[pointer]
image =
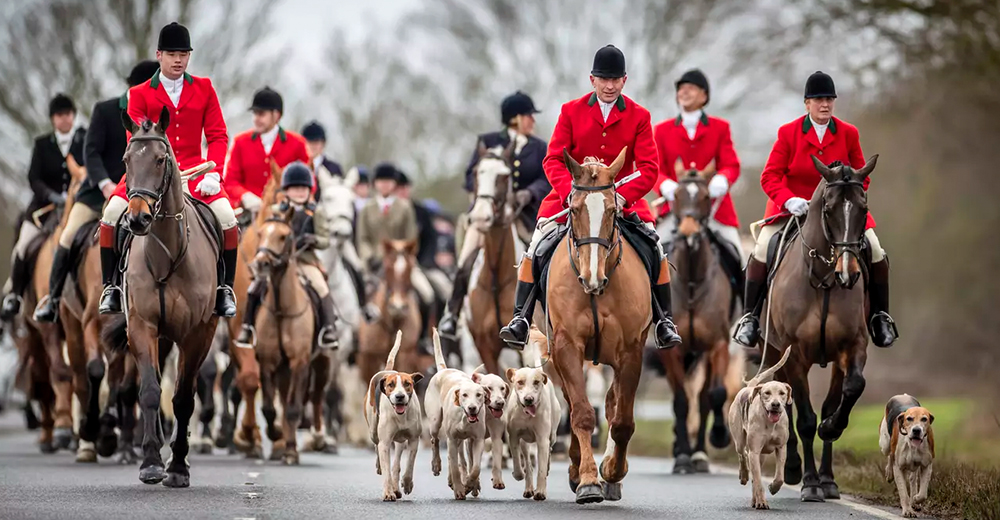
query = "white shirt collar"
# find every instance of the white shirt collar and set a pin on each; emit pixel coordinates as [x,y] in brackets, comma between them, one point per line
[64,141]
[690,121]
[173,87]
[820,129]
[317,162]
[267,139]
[519,140]
[384,201]
[606,108]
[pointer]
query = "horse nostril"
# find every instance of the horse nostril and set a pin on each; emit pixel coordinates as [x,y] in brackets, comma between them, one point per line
[580,278]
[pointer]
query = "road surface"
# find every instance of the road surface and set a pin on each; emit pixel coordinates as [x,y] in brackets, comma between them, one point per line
[345,486]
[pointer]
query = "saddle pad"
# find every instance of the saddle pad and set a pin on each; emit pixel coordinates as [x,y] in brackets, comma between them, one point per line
[644,240]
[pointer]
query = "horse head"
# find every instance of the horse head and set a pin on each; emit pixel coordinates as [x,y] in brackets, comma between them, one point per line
[398,257]
[842,204]
[337,201]
[593,206]
[491,184]
[275,243]
[151,171]
[692,204]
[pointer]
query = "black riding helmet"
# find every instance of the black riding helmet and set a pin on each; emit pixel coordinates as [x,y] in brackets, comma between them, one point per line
[296,174]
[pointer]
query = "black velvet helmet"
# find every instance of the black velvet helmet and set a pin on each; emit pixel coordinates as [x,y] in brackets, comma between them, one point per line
[296,174]
[174,37]
[609,62]
[820,85]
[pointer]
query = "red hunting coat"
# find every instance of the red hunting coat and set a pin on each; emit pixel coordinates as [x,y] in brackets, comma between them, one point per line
[197,112]
[249,168]
[581,129]
[712,141]
[790,171]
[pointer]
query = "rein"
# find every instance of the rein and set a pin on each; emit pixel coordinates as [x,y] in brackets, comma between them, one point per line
[852,247]
[280,261]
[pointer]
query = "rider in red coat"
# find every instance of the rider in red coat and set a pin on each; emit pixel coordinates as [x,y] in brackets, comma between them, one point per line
[195,110]
[789,179]
[599,124]
[249,166]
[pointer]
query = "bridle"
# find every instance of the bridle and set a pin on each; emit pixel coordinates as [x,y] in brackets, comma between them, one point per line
[279,259]
[609,244]
[497,201]
[837,247]
[154,198]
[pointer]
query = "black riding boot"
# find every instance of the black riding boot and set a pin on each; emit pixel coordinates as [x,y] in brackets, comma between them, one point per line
[111,298]
[665,332]
[448,326]
[880,324]
[225,297]
[515,334]
[19,280]
[369,312]
[327,324]
[48,309]
[255,295]
[748,330]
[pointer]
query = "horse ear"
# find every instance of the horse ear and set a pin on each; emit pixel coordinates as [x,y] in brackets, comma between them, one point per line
[867,169]
[678,167]
[387,248]
[481,149]
[619,161]
[411,247]
[574,167]
[709,171]
[352,177]
[508,153]
[289,214]
[164,122]
[128,123]
[824,170]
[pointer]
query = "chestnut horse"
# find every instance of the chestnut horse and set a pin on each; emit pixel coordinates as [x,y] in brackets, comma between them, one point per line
[599,305]
[170,289]
[817,309]
[701,296]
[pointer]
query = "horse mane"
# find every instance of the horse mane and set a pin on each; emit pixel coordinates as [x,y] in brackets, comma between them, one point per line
[271,193]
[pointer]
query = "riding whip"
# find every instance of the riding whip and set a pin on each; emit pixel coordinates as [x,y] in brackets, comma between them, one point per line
[628,178]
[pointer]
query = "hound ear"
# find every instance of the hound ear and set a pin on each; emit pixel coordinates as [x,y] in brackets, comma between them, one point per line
[417,377]
[754,392]
[931,418]
[545,378]
[867,169]
[128,123]
[899,421]
[510,374]
[458,402]
[619,161]
[477,377]
[824,170]
[164,122]
[788,387]
[574,167]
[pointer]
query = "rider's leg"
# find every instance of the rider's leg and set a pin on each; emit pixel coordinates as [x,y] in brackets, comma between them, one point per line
[111,298]
[732,265]
[368,311]
[19,278]
[665,332]
[327,312]
[79,216]
[515,334]
[427,296]
[466,259]
[255,295]
[748,329]
[225,298]
[881,325]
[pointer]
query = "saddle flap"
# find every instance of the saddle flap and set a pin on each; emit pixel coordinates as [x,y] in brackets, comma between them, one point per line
[773,255]
[644,240]
[207,217]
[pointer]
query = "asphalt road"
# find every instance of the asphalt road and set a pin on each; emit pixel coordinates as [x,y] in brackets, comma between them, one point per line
[345,486]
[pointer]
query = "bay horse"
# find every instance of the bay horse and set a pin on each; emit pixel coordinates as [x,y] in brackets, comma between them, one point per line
[599,306]
[701,295]
[170,288]
[817,309]
[491,301]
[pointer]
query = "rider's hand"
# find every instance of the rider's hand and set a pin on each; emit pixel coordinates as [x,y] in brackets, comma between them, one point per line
[718,186]
[523,197]
[57,198]
[305,241]
[107,188]
[210,184]
[667,189]
[250,202]
[797,206]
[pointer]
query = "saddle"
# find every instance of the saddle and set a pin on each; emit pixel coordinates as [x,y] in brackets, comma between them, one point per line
[205,216]
[84,239]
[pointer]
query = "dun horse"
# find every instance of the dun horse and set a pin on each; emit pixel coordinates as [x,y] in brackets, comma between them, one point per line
[701,295]
[599,305]
[818,310]
[170,287]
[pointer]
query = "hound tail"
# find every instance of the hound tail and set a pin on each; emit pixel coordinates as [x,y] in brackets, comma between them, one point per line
[390,362]
[438,355]
[766,374]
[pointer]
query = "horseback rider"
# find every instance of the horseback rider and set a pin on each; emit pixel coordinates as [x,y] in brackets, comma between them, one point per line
[619,122]
[517,114]
[362,190]
[310,226]
[196,111]
[384,217]
[249,166]
[697,139]
[49,179]
[323,167]
[103,151]
[789,179]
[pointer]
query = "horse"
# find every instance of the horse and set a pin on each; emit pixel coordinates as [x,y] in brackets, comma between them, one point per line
[491,301]
[286,330]
[701,295]
[817,309]
[173,256]
[399,311]
[598,303]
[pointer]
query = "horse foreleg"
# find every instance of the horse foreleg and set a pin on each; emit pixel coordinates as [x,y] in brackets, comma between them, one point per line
[321,370]
[295,395]
[192,351]
[40,390]
[206,396]
[675,376]
[834,397]
[128,397]
[227,417]
[621,425]
[806,426]
[717,394]
[107,439]
[142,339]
[62,385]
[248,380]
[76,351]
[569,360]
[854,385]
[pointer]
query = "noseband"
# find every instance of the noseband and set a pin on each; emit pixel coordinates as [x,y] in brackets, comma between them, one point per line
[607,243]
[495,198]
[278,259]
[155,198]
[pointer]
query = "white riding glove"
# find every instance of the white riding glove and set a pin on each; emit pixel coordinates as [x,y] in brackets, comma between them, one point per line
[718,186]
[667,189]
[210,184]
[250,202]
[797,206]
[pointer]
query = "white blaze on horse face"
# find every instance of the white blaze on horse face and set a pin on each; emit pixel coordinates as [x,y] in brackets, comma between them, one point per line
[399,266]
[595,210]
[844,259]
[487,173]
[692,190]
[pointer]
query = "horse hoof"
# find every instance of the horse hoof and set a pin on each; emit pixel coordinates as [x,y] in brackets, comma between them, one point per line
[828,431]
[573,485]
[290,459]
[719,436]
[107,444]
[86,455]
[152,475]
[793,473]
[700,462]
[255,453]
[276,454]
[683,465]
[46,447]
[62,438]
[611,491]
[812,494]
[589,494]
[177,480]
[331,449]
[830,490]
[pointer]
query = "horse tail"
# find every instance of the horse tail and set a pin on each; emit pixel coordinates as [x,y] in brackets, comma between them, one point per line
[438,355]
[390,362]
[114,334]
[766,374]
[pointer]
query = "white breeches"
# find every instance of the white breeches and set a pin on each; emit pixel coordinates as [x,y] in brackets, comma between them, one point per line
[766,232]
[541,231]
[79,216]
[730,234]
[28,233]
[422,285]
[470,244]
[315,277]
[222,208]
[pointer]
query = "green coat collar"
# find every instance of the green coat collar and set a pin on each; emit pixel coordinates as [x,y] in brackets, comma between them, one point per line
[123,101]
[154,82]
[620,103]
[807,125]
[281,135]
[704,119]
